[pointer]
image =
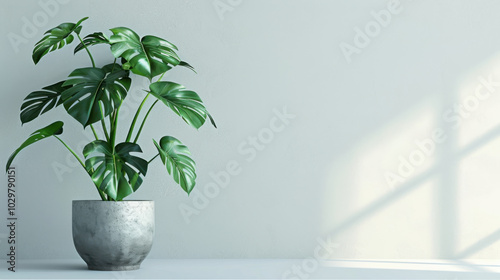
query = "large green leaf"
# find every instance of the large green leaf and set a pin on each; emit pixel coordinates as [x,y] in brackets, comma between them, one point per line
[90,87]
[95,38]
[148,57]
[56,38]
[41,101]
[185,103]
[55,128]
[115,171]
[175,157]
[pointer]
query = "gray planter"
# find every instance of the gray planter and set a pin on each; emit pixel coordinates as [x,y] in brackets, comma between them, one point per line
[113,235]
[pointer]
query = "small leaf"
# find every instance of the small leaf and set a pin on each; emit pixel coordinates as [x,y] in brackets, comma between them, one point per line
[148,57]
[175,157]
[185,103]
[39,102]
[55,128]
[91,40]
[115,171]
[90,87]
[56,38]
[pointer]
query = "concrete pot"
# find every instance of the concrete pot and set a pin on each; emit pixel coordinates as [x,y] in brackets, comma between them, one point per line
[113,235]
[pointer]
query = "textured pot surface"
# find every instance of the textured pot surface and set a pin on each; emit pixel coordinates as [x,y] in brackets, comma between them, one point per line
[113,235]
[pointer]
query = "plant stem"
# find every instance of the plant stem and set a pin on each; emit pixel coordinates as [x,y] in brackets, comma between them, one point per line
[132,126]
[144,121]
[129,135]
[161,76]
[114,124]
[93,65]
[103,197]
[95,134]
[103,123]
[73,152]
[153,158]
[85,46]
[112,135]
[113,68]
[113,119]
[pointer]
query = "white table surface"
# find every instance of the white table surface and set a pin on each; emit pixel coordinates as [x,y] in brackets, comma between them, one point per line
[260,269]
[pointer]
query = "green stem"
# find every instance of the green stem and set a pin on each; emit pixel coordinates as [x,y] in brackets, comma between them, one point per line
[129,135]
[161,76]
[103,123]
[153,158]
[73,152]
[144,121]
[114,124]
[113,129]
[85,46]
[113,68]
[95,134]
[136,116]
[103,197]
[112,138]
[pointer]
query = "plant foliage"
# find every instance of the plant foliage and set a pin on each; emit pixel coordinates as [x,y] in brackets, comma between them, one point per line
[93,96]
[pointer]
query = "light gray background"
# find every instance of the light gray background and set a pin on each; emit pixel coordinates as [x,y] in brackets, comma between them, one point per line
[323,174]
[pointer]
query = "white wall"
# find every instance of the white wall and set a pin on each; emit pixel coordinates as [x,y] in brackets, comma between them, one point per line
[322,174]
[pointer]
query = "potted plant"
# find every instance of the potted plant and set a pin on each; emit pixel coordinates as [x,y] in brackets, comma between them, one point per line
[113,234]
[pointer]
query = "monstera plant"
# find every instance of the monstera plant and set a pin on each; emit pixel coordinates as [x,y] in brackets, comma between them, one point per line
[93,96]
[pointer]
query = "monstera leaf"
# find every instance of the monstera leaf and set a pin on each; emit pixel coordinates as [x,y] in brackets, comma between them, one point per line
[185,103]
[90,87]
[175,157]
[41,101]
[148,57]
[56,38]
[55,128]
[115,171]
[92,39]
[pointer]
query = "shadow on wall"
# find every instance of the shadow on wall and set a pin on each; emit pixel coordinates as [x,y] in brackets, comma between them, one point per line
[443,152]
